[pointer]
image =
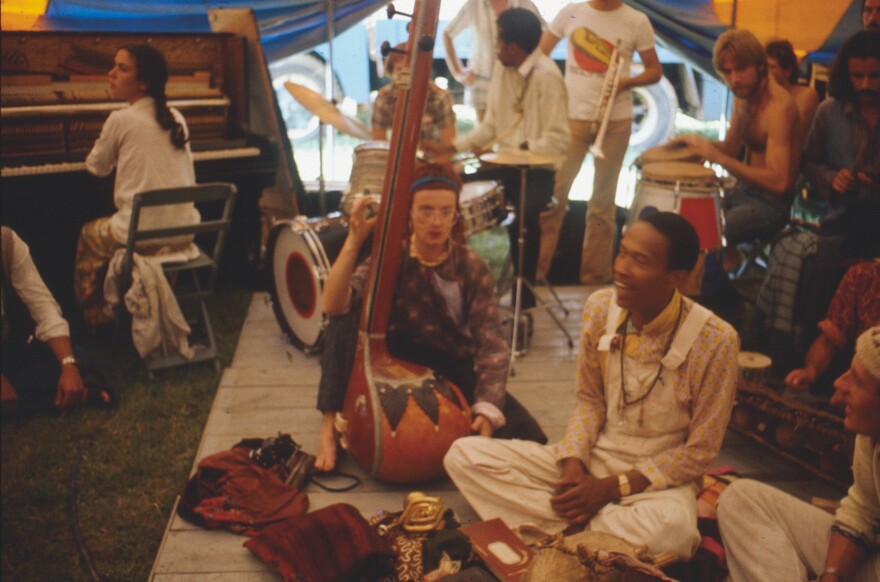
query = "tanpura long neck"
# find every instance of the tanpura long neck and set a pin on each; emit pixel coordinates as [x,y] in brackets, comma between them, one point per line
[391,225]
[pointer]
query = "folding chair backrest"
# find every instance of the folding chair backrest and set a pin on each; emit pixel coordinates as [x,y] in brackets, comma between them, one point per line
[200,193]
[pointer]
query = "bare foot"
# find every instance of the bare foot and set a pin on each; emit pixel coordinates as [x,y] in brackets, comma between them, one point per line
[326,458]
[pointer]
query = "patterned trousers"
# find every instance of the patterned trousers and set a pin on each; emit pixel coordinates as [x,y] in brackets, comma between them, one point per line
[94,249]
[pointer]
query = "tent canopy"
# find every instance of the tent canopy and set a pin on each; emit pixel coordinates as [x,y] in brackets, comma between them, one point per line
[286,26]
[816,28]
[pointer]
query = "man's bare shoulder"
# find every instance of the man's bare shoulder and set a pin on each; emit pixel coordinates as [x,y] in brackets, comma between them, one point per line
[781,102]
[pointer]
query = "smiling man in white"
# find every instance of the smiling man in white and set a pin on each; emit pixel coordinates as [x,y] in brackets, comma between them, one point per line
[655,385]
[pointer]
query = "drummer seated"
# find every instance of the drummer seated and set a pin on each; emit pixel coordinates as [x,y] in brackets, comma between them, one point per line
[438,122]
[766,126]
[444,314]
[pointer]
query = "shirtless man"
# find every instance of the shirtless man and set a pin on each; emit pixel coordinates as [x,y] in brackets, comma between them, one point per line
[766,126]
[783,66]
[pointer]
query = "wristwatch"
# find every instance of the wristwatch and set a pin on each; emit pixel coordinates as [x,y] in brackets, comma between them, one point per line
[67,360]
[623,485]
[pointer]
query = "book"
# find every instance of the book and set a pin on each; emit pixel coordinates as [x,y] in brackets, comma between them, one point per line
[506,555]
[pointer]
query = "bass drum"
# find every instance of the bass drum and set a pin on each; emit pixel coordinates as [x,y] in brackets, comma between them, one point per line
[302,251]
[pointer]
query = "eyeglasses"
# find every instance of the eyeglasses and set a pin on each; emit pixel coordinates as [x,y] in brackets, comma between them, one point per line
[426,213]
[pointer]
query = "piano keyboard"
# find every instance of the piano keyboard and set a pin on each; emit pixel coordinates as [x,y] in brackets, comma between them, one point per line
[60,168]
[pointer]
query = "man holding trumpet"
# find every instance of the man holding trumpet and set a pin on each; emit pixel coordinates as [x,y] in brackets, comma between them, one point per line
[602,37]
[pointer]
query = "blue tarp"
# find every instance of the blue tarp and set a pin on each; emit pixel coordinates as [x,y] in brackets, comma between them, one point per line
[690,28]
[687,27]
[286,26]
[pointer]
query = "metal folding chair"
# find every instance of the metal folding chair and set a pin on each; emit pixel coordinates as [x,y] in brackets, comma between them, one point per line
[192,281]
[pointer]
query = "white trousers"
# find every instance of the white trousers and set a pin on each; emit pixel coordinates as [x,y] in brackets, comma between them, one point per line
[514,480]
[771,535]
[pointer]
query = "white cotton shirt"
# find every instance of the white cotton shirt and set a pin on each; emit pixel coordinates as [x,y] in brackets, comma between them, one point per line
[134,143]
[592,35]
[480,18]
[22,274]
[538,89]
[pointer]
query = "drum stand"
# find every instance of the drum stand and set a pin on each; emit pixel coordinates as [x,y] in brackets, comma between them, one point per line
[519,281]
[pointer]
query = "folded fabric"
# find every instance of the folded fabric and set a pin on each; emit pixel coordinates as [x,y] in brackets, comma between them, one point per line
[230,491]
[331,544]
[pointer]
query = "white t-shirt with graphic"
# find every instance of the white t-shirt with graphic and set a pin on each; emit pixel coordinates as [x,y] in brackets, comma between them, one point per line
[592,35]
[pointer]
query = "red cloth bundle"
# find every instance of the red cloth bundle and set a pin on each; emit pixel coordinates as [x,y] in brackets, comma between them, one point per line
[331,544]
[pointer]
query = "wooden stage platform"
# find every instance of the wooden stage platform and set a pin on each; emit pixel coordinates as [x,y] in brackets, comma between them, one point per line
[271,387]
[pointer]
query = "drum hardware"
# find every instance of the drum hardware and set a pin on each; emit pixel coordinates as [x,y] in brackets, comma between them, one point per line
[482,206]
[368,173]
[524,159]
[606,100]
[327,112]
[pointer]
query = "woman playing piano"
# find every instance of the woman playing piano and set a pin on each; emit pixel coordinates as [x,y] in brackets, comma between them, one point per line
[146,142]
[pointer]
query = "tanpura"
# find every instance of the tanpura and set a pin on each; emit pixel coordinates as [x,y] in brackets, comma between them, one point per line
[398,419]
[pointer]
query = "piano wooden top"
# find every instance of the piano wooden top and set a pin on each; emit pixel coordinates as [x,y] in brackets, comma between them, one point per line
[54,91]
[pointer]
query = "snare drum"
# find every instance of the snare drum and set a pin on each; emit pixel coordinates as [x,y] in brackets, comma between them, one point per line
[367,172]
[302,251]
[691,190]
[482,206]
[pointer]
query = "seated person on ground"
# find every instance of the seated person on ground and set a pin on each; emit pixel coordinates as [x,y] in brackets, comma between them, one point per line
[654,393]
[854,308]
[770,535]
[39,368]
[444,314]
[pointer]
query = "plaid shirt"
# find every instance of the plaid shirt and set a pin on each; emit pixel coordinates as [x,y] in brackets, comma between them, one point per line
[438,111]
[422,312]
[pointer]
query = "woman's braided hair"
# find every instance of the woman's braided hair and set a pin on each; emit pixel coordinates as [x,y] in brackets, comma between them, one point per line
[153,71]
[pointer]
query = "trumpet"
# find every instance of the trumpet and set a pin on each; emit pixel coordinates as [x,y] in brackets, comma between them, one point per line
[606,99]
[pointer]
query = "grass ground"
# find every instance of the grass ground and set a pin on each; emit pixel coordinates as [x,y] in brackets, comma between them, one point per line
[106,481]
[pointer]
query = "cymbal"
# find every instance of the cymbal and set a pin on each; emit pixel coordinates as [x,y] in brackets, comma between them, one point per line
[326,111]
[522,158]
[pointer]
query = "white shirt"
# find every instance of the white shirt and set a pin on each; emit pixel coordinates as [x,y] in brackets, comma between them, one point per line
[135,144]
[22,274]
[592,35]
[538,89]
[480,18]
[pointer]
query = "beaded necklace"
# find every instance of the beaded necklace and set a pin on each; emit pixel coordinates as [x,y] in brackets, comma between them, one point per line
[414,253]
[625,398]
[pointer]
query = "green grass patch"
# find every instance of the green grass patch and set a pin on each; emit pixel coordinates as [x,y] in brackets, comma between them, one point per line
[132,463]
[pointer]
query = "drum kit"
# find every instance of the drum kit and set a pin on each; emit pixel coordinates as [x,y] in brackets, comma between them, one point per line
[673,178]
[523,159]
[302,250]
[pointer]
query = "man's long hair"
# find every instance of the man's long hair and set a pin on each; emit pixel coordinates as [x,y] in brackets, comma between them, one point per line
[864,44]
[744,47]
[783,52]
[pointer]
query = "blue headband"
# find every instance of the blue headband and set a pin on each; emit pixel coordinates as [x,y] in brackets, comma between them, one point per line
[432,179]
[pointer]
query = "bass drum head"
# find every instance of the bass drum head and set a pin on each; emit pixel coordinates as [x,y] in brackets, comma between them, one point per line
[299,266]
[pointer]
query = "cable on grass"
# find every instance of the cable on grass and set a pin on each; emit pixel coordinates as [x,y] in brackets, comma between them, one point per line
[81,545]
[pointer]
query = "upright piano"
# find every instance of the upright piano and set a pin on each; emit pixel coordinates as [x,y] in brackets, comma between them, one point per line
[54,104]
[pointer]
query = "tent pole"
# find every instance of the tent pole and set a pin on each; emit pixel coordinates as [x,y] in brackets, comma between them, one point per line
[329,90]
